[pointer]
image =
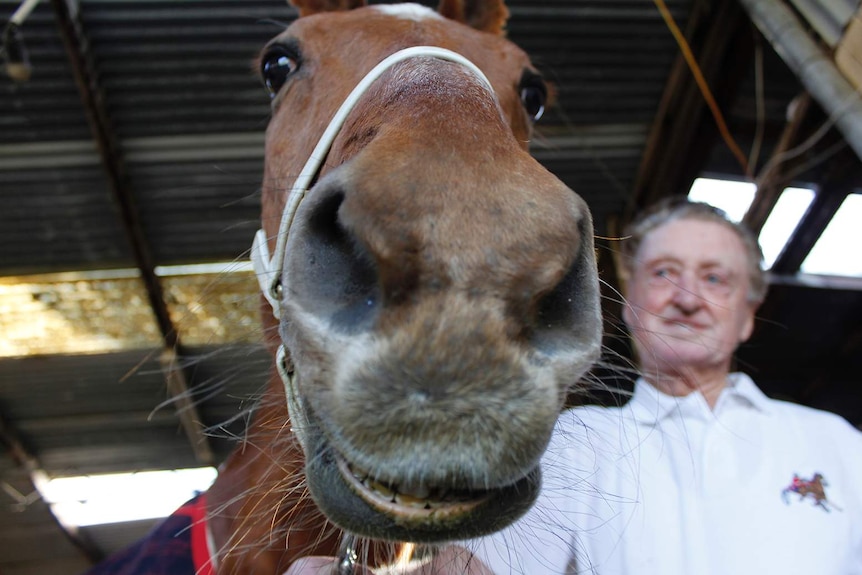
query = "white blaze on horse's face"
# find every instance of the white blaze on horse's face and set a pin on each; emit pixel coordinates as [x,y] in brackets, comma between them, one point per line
[439,289]
[408,11]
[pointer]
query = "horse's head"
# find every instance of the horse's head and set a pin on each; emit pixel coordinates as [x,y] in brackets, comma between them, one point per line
[436,287]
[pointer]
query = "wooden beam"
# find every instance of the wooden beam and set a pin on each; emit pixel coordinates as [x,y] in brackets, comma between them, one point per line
[817,282]
[772,181]
[26,461]
[842,179]
[184,404]
[101,127]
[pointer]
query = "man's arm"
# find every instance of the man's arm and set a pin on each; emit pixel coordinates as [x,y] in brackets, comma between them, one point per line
[450,560]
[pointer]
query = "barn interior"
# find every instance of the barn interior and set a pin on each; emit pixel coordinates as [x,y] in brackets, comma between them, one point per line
[131,153]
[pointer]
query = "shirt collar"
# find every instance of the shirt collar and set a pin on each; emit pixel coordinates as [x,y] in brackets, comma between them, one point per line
[741,387]
[649,405]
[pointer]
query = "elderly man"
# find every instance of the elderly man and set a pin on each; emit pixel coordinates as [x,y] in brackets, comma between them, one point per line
[699,473]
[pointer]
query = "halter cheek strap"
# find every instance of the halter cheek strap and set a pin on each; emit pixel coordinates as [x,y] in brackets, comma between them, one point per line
[269,268]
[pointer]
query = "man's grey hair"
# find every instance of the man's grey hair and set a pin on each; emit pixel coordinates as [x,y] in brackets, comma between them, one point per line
[680,208]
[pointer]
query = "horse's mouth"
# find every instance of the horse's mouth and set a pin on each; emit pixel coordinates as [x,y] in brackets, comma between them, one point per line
[411,504]
[355,502]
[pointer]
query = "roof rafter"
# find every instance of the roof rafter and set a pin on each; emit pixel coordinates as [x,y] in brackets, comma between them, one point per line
[92,98]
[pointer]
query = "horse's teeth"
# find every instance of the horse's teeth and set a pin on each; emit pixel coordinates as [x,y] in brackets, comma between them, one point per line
[381,489]
[416,492]
[405,499]
[413,495]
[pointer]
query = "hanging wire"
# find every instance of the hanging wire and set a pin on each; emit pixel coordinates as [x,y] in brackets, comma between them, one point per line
[703,86]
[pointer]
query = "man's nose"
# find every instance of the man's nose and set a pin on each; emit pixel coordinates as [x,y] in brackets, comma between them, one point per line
[687,294]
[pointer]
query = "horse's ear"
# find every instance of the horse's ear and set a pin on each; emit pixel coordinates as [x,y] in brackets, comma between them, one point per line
[485,15]
[307,7]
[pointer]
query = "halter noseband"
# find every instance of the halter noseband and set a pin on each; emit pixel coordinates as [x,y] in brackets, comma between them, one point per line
[269,269]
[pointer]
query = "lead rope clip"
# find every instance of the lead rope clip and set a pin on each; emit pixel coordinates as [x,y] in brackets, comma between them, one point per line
[347,555]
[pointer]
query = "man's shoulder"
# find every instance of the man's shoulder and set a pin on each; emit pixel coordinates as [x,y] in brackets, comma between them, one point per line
[595,417]
[785,408]
[814,420]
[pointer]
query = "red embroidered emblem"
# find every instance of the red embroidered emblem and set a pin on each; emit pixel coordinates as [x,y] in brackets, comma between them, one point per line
[815,488]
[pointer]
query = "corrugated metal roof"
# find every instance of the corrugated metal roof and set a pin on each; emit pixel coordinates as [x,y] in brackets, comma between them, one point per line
[111,412]
[189,115]
[47,108]
[609,61]
[59,218]
[201,210]
[170,68]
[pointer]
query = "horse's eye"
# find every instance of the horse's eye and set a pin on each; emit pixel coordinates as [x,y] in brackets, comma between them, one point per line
[276,66]
[534,94]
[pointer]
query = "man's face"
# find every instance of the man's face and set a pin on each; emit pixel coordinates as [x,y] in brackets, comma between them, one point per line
[687,297]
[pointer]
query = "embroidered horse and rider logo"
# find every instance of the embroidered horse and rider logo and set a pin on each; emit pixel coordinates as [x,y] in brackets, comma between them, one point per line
[815,488]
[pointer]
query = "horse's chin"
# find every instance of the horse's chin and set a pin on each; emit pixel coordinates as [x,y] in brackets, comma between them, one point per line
[354,502]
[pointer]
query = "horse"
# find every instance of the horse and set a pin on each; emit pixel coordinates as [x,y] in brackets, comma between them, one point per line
[814,488]
[429,290]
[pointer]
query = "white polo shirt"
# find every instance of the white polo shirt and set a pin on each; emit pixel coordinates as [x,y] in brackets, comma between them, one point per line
[666,486]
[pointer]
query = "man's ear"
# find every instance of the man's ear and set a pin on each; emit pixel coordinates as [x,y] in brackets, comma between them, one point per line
[628,314]
[747,327]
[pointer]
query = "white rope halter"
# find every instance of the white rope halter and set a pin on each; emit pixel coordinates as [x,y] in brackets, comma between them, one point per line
[269,269]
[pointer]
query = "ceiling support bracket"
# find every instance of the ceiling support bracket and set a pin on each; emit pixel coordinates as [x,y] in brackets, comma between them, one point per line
[811,64]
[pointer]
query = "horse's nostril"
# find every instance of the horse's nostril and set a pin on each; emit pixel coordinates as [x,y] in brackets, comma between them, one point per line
[563,317]
[323,220]
[554,310]
[339,278]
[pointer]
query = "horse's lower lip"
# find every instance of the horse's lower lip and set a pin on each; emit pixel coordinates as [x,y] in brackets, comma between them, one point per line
[352,506]
[409,506]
